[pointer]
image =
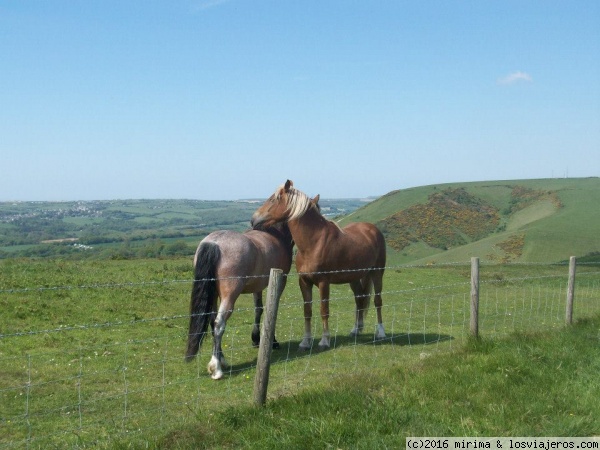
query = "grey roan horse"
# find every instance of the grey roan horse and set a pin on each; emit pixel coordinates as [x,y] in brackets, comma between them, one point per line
[226,265]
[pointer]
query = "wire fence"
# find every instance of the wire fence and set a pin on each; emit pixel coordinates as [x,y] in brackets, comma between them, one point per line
[89,364]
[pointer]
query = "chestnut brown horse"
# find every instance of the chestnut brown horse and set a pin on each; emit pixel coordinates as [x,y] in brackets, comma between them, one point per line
[226,265]
[328,254]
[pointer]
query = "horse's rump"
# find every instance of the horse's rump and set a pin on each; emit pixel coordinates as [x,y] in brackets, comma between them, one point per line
[350,253]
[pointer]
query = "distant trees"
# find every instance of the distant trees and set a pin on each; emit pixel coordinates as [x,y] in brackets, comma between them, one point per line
[121,229]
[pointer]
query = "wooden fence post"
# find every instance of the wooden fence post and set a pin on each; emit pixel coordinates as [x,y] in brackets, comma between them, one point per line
[261,379]
[571,290]
[475,297]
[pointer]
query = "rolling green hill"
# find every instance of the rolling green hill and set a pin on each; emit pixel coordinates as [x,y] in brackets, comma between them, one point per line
[544,220]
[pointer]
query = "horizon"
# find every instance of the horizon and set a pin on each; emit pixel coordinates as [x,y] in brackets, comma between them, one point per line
[325,198]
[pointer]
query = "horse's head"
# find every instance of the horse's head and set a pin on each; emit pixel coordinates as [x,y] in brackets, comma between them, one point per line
[274,210]
[286,203]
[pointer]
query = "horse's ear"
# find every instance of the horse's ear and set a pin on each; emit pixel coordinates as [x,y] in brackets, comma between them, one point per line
[316,200]
[288,185]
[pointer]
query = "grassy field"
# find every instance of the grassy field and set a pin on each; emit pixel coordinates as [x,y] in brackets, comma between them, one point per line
[527,384]
[91,354]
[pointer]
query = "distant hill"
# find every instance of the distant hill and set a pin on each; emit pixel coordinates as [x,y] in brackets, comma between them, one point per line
[126,228]
[544,220]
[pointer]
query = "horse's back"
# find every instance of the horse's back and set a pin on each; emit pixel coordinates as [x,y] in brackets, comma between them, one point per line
[247,258]
[365,230]
[237,253]
[368,240]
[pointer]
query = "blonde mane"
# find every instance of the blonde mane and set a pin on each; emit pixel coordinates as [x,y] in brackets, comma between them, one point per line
[297,202]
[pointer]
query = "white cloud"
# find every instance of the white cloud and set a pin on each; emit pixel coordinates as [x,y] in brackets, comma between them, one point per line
[515,77]
[207,4]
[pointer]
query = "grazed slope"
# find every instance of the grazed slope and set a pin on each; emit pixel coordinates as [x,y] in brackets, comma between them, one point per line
[450,218]
[498,221]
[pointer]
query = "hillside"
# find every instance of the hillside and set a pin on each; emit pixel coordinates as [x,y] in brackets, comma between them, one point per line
[544,220]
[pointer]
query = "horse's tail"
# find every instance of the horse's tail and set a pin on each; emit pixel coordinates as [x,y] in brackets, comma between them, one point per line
[204,291]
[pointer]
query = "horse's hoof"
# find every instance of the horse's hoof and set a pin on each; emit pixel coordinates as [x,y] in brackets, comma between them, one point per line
[379,332]
[324,343]
[355,331]
[257,344]
[305,344]
[213,366]
[217,375]
[214,369]
[255,339]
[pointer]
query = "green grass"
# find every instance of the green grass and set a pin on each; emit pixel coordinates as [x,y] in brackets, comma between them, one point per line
[91,354]
[528,384]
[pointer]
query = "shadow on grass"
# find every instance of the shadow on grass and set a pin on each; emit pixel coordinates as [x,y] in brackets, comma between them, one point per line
[288,350]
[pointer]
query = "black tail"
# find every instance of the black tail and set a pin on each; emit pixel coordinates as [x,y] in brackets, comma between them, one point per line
[204,291]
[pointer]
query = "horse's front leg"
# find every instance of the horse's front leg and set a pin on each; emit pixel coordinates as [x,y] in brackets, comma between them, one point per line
[324,294]
[217,360]
[306,289]
[258,310]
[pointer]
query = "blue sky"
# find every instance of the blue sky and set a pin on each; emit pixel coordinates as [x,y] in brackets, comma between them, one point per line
[226,99]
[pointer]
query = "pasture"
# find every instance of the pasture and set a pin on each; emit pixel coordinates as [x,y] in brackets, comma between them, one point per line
[92,354]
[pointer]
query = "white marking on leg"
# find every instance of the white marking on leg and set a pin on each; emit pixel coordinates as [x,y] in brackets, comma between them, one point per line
[306,342]
[379,331]
[214,368]
[324,344]
[359,324]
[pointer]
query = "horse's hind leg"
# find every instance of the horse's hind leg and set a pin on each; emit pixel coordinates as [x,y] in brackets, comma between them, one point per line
[306,289]
[217,360]
[258,310]
[324,293]
[361,301]
[377,277]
